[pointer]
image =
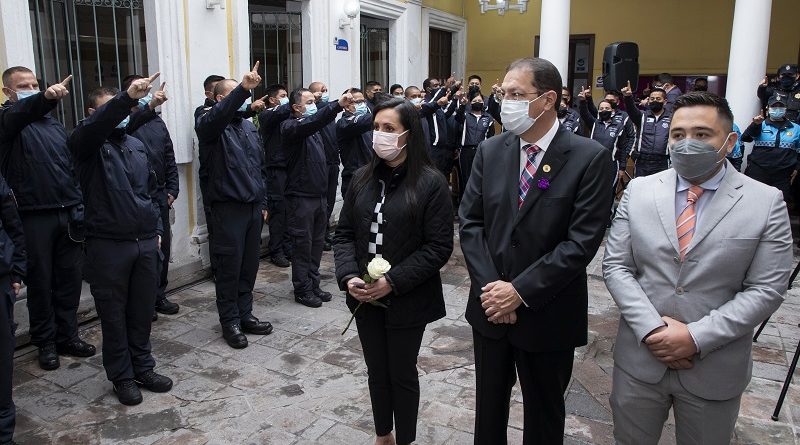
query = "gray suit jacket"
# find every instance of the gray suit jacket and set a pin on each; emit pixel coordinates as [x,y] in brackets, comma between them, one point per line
[734,276]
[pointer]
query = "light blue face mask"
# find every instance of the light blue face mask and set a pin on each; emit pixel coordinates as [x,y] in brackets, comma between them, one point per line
[361,108]
[24,94]
[244,107]
[145,101]
[284,100]
[416,100]
[777,113]
[124,122]
[325,98]
[311,109]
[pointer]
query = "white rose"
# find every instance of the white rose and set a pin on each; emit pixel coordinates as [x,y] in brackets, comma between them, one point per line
[377,268]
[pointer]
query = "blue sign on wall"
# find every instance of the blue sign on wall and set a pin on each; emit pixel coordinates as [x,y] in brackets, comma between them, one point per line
[341,44]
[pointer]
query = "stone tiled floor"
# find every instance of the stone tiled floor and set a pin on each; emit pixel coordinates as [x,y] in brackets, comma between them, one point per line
[306,383]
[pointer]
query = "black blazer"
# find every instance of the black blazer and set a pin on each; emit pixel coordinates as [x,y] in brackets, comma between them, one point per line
[415,247]
[542,248]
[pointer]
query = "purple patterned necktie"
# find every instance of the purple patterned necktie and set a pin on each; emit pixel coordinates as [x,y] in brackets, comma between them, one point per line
[526,178]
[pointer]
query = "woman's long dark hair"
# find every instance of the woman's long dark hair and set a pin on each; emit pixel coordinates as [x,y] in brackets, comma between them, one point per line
[417,162]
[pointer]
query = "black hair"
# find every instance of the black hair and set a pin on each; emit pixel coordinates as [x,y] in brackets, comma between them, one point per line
[372,83]
[427,83]
[296,96]
[658,90]
[379,98]
[615,93]
[353,90]
[128,80]
[214,78]
[13,70]
[704,98]
[100,92]
[409,88]
[274,89]
[474,76]
[394,87]
[417,162]
[545,75]
[664,78]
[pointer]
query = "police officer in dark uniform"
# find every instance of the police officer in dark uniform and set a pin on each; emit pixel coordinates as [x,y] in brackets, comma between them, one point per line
[328,133]
[275,160]
[787,85]
[354,136]
[37,164]
[12,272]
[610,129]
[370,90]
[307,190]
[650,151]
[473,127]
[231,151]
[435,116]
[208,87]
[569,118]
[147,126]
[123,227]
[775,158]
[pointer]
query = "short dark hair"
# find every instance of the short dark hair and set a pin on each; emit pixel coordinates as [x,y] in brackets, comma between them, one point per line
[128,80]
[664,78]
[353,90]
[13,70]
[214,78]
[220,86]
[409,88]
[704,98]
[372,83]
[658,90]
[395,86]
[615,93]
[297,95]
[545,75]
[274,89]
[427,82]
[474,76]
[100,92]
[704,79]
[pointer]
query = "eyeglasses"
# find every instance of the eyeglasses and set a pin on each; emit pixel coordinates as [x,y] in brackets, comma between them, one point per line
[519,95]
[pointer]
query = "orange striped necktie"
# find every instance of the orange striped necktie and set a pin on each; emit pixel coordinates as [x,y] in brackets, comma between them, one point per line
[687,220]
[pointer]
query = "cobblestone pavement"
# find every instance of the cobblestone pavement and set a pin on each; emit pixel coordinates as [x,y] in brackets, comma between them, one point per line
[307,384]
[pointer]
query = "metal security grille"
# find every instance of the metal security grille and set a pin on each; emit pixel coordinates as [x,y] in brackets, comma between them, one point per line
[99,42]
[375,51]
[276,41]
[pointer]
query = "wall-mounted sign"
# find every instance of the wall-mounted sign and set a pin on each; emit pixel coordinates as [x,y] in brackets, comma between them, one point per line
[598,82]
[341,44]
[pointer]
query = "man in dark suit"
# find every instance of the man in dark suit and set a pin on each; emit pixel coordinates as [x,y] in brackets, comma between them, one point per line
[532,217]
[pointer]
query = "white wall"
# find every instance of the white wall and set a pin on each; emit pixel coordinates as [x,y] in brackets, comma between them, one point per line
[16,38]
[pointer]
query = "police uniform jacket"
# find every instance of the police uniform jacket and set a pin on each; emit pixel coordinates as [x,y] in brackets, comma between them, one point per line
[572,121]
[776,145]
[147,126]
[653,131]
[472,129]
[269,126]
[328,134]
[12,239]
[613,134]
[307,161]
[791,95]
[354,136]
[115,175]
[34,155]
[231,153]
[436,118]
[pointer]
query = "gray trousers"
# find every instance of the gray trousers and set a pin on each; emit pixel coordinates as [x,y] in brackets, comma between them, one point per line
[640,410]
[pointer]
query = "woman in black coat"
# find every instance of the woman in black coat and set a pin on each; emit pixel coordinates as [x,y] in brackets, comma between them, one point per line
[397,208]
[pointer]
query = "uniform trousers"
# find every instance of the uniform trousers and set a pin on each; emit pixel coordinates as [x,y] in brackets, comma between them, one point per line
[308,223]
[8,414]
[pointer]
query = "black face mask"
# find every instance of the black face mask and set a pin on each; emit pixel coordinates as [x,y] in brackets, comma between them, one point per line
[561,113]
[473,89]
[613,104]
[605,115]
[655,107]
[477,106]
[787,81]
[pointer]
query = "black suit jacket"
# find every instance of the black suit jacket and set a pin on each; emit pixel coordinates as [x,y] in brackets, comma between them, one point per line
[544,247]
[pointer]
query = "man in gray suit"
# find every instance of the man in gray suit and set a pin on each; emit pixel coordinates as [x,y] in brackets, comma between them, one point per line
[697,256]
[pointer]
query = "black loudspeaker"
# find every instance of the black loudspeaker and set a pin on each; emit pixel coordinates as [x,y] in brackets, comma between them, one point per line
[620,65]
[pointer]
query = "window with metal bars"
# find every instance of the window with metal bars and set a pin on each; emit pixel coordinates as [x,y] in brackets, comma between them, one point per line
[99,42]
[276,41]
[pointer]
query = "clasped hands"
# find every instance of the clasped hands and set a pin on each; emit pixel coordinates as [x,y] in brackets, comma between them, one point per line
[366,293]
[672,344]
[500,301]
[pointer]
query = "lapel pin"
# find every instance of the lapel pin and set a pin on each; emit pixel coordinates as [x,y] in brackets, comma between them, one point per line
[546,168]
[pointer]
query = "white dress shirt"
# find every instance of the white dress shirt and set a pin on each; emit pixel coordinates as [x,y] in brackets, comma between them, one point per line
[543,143]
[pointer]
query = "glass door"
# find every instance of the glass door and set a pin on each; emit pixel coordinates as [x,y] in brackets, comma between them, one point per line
[374,51]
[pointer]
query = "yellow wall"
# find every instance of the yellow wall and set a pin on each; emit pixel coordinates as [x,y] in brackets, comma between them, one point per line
[679,37]
[455,7]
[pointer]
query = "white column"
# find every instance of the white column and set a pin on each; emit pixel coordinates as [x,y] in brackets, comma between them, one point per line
[748,58]
[554,40]
[16,37]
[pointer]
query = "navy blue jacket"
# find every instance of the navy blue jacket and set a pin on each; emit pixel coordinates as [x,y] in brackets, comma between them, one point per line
[308,164]
[436,118]
[354,136]
[269,126]
[115,175]
[653,132]
[34,155]
[616,135]
[231,154]
[148,127]
[328,134]
[12,240]
[572,121]
[471,130]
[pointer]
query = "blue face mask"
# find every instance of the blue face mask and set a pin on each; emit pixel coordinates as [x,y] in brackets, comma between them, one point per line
[145,101]
[311,109]
[284,100]
[777,113]
[24,94]
[124,122]
[325,98]
[416,100]
[361,109]
[244,107]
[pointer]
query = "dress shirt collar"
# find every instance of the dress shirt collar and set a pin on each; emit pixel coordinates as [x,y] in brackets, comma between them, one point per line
[711,184]
[545,140]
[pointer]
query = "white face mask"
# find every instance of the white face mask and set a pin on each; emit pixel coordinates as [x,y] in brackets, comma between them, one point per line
[385,144]
[515,115]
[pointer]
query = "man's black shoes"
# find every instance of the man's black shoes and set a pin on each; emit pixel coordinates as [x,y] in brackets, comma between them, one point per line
[322,295]
[308,299]
[127,392]
[166,307]
[48,357]
[233,336]
[280,261]
[77,348]
[153,381]
[253,325]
